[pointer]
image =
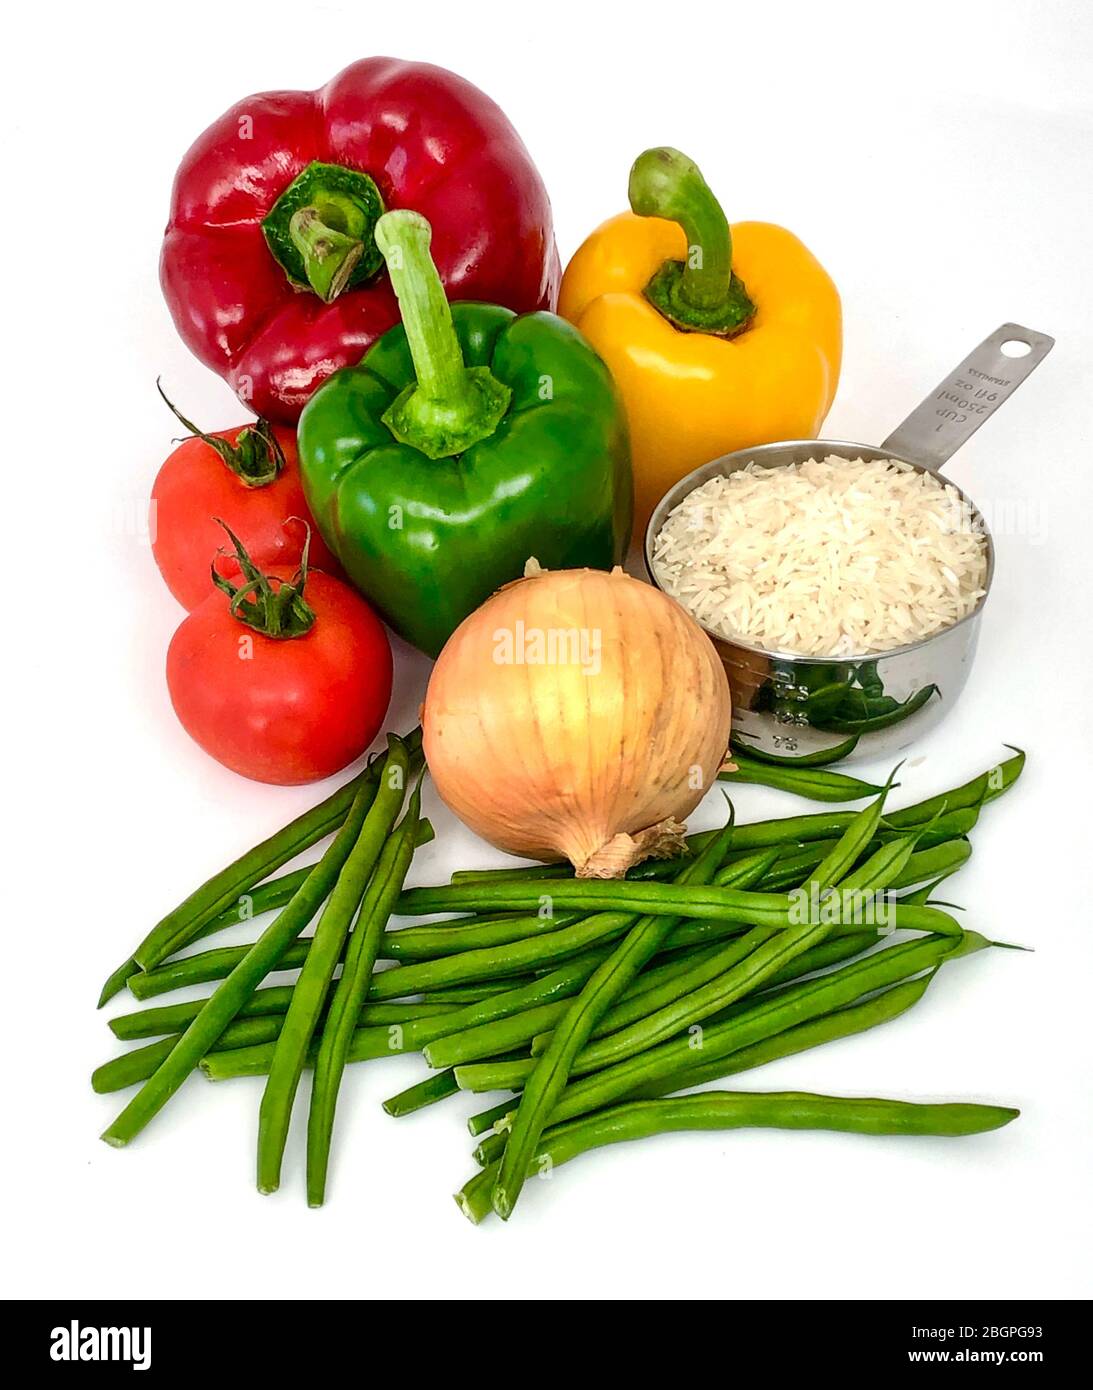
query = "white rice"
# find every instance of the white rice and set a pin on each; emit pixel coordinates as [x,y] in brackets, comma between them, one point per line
[832,557]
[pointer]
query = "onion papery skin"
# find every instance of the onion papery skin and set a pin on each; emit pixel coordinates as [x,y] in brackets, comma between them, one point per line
[577,715]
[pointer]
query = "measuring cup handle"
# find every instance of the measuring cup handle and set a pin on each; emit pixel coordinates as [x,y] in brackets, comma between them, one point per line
[968,396]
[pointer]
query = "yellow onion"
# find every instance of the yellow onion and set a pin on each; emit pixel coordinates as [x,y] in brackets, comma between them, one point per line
[577,715]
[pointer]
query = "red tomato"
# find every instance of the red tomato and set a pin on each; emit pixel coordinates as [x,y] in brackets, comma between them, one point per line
[195,485]
[285,710]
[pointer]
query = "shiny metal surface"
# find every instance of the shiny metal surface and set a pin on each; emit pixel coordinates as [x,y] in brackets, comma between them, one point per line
[788,705]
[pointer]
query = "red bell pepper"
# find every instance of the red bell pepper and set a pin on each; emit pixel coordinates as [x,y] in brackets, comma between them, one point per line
[269,265]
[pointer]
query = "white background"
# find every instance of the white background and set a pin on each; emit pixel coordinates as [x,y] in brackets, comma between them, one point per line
[937,159]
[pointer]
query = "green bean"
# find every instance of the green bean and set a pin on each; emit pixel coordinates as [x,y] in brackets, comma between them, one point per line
[224,1004]
[664,869]
[551,1071]
[351,992]
[723,1110]
[173,1018]
[817,784]
[142,1062]
[692,931]
[206,910]
[911,917]
[247,1061]
[485,1120]
[791,868]
[488,1039]
[871,723]
[648,869]
[427,1092]
[366,1045]
[517,958]
[448,938]
[615,897]
[205,966]
[986,787]
[942,859]
[507,875]
[328,946]
[373,1037]
[818,825]
[940,828]
[473,993]
[712,903]
[819,759]
[275,999]
[116,981]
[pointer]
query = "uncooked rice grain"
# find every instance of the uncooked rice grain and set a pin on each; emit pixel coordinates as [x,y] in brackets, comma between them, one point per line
[831,557]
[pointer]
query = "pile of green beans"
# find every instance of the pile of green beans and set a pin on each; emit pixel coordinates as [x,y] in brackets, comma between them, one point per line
[585,1003]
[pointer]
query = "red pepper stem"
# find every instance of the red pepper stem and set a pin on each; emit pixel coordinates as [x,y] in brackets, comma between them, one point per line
[700,294]
[330,256]
[320,229]
[451,406]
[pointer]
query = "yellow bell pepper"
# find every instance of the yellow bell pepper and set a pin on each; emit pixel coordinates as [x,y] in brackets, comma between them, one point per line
[718,339]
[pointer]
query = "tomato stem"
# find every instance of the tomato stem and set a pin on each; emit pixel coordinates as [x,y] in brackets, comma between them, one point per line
[255,458]
[281,612]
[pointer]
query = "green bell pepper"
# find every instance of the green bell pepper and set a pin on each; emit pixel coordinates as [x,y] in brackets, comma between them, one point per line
[465,442]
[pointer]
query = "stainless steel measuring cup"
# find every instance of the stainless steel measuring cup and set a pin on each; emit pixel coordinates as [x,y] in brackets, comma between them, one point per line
[788,705]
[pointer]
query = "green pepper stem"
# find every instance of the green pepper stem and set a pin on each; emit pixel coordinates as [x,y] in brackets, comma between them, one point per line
[404,238]
[702,293]
[451,406]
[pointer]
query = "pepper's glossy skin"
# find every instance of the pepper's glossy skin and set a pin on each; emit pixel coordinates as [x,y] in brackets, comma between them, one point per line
[430,140]
[428,540]
[691,397]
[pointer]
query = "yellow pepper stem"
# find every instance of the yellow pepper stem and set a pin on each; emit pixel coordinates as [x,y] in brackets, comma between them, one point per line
[700,295]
